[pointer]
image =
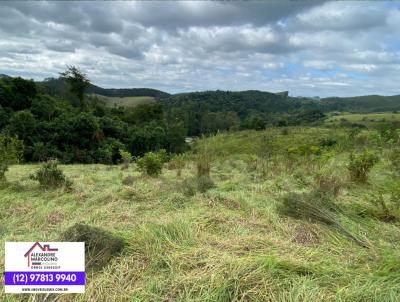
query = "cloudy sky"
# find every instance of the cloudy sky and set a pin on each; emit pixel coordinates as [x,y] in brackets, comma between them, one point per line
[307,47]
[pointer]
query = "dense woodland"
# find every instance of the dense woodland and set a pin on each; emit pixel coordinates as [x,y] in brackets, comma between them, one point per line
[58,127]
[54,120]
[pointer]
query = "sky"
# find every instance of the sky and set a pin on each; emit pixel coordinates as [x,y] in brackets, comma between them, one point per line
[310,48]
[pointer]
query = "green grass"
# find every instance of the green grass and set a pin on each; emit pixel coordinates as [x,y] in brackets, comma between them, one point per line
[227,244]
[128,102]
[368,119]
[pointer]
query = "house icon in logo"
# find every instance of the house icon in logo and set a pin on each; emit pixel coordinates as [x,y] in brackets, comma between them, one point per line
[40,248]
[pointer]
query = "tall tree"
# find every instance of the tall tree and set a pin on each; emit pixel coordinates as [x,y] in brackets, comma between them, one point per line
[78,82]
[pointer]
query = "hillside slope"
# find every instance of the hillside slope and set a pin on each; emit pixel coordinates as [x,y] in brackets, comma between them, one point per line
[229,242]
[58,87]
[362,104]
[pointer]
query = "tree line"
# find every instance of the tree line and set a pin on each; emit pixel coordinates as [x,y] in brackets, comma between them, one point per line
[81,128]
[58,118]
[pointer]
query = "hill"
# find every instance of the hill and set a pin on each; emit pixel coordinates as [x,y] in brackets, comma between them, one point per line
[57,87]
[211,111]
[127,92]
[361,104]
[239,101]
[233,240]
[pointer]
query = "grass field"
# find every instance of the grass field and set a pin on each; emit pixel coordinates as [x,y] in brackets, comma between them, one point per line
[229,243]
[368,119]
[129,101]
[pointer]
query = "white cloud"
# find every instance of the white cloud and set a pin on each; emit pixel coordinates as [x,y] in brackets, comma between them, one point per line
[308,48]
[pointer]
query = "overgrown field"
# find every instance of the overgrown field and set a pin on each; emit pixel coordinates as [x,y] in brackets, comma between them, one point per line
[280,216]
[367,119]
[128,101]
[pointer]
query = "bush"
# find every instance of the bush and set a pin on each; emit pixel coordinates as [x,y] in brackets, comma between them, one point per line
[100,245]
[203,178]
[150,164]
[285,131]
[204,183]
[304,150]
[162,155]
[10,153]
[178,162]
[385,209]
[128,181]
[327,142]
[360,165]
[329,182]
[394,158]
[126,158]
[50,176]
[203,165]
[188,187]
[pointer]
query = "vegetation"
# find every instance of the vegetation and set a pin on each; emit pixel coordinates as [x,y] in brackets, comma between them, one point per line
[100,245]
[362,104]
[303,230]
[50,176]
[150,164]
[178,162]
[10,153]
[126,102]
[269,204]
[76,128]
[78,82]
[394,157]
[360,165]
[126,158]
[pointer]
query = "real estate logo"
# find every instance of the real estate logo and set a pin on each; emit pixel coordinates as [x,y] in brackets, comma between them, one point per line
[44,267]
[39,255]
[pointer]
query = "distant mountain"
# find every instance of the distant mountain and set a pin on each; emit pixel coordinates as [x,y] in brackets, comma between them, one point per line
[125,92]
[58,87]
[361,104]
[241,102]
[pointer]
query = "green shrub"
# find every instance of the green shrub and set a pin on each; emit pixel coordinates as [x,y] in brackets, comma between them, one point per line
[150,164]
[126,158]
[304,150]
[327,142]
[203,164]
[128,181]
[100,245]
[204,183]
[394,158]
[10,153]
[50,176]
[387,201]
[188,186]
[360,165]
[191,185]
[178,162]
[329,182]
[285,131]
[203,177]
[162,155]
[379,201]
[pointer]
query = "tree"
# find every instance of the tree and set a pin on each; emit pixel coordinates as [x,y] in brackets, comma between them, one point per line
[77,81]
[23,125]
[10,153]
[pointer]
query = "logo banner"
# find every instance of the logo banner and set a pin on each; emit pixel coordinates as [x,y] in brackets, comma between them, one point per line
[44,267]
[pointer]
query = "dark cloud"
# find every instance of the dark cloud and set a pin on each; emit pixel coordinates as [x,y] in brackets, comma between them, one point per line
[308,47]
